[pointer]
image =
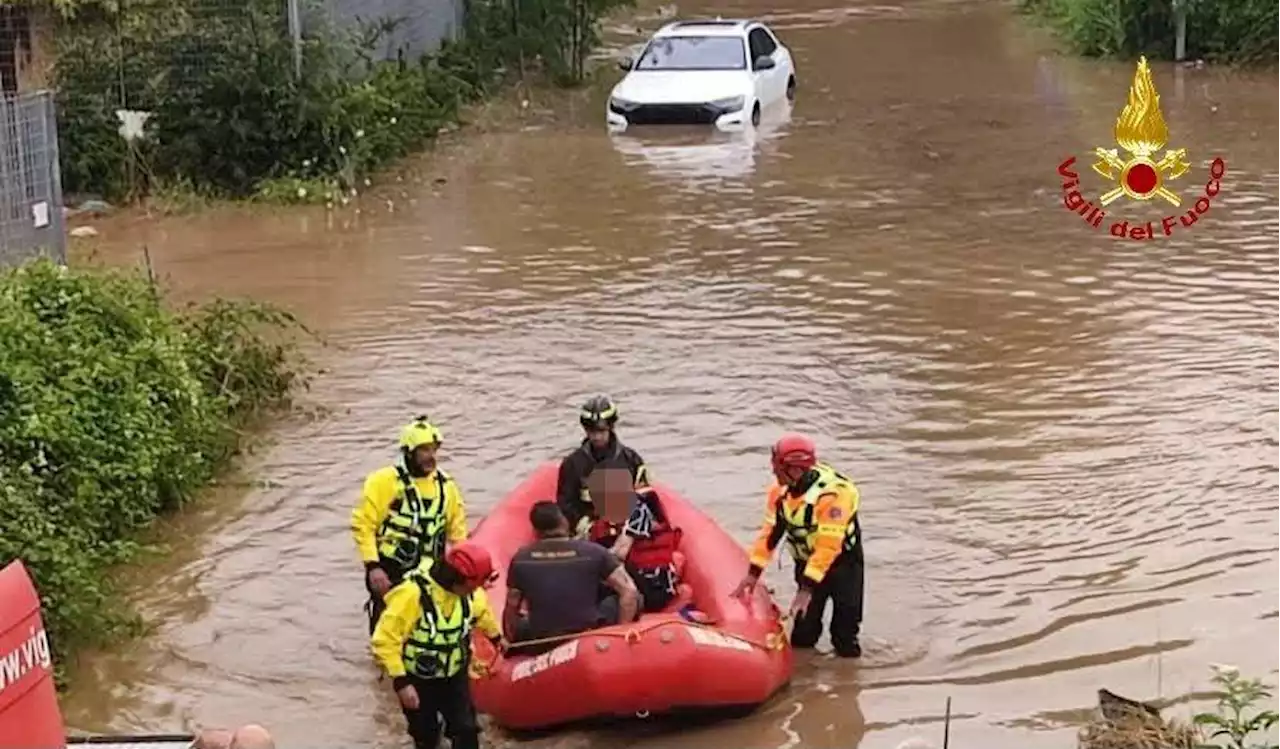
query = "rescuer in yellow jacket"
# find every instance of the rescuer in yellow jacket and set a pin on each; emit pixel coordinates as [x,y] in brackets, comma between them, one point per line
[406,512]
[423,642]
[815,509]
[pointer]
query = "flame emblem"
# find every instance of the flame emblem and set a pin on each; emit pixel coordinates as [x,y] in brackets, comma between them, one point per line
[1141,131]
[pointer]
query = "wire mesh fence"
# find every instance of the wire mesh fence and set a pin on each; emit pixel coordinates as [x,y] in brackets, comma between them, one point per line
[178,74]
[31,220]
[146,48]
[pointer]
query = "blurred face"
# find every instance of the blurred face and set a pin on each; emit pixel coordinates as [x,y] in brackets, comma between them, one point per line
[464,588]
[425,456]
[788,474]
[598,435]
[612,491]
[467,587]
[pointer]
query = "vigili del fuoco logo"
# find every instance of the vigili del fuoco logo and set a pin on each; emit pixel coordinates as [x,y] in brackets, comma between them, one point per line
[1140,131]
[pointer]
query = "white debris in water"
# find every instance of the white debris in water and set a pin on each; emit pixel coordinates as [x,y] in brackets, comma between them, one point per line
[793,738]
[83,231]
[915,742]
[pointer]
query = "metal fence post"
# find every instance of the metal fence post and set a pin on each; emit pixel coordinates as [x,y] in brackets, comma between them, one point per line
[57,221]
[1180,35]
[13,245]
[295,30]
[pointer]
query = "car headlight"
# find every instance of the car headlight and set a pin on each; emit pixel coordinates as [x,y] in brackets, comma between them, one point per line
[621,105]
[732,104]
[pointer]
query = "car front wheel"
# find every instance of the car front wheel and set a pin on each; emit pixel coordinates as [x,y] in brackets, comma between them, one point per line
[755,114]
[791,88]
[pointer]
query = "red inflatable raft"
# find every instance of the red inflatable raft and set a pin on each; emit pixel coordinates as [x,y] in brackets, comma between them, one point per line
[29,715]
[661,663]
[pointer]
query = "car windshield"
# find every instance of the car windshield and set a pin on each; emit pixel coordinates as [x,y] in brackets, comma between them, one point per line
[694,53]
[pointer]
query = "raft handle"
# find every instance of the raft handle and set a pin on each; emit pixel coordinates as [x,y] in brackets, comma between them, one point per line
[642,714]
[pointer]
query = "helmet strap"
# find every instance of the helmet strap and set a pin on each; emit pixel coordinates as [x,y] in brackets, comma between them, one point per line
[806,480]
[445,574]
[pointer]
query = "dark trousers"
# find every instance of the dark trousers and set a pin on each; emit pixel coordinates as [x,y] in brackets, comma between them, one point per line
[843,588]
[375,605]
[654,586]
[607,613]
[448,700]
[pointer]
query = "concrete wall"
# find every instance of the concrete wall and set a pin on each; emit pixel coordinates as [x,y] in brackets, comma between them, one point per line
[423,24]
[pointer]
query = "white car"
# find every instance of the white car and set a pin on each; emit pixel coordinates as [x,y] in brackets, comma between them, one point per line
[721,72]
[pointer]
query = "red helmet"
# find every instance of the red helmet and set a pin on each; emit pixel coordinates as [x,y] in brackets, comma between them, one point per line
[471,561]
[794,451]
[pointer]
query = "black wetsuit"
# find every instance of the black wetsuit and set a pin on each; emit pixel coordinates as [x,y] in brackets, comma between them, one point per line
[579,464]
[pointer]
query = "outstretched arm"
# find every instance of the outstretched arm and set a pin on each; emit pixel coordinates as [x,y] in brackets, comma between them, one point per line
[769,535]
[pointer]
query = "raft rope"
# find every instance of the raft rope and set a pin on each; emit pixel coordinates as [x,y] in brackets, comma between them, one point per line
[772,642]
[155,738]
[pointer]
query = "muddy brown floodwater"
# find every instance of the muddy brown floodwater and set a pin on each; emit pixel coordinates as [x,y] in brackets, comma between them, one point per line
[1067,444]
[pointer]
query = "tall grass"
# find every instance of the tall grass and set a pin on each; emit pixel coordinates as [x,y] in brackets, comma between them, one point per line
[1223,31]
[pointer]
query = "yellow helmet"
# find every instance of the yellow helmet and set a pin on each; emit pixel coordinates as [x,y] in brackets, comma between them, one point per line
[419,433]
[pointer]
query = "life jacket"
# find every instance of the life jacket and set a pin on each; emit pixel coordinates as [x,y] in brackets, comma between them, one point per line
[439,646]
[796,514]
[414,529]
[656,552]
[646,553]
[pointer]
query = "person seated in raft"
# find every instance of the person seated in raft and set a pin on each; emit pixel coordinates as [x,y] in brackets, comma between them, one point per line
[558,576]
[599,420]
[645,541]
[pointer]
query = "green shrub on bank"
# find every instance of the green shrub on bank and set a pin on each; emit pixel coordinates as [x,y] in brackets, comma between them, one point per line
[1239,714]
[1224,31]
[230,115]
[112,411]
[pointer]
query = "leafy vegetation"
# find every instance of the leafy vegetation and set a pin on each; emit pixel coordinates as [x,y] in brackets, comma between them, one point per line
[230,116]
[1122,723]
[1225,31]
[113,410]
[1232,723]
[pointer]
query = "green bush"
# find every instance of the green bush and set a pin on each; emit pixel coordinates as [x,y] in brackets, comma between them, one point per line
[230,115]
[1232,722]
[112,411]
[1225,31]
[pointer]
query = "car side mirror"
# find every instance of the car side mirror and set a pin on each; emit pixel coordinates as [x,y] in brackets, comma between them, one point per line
[765,62]
[625,63]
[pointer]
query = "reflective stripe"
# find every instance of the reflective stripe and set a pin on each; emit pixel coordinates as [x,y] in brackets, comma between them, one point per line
[438,647]
[797,517]
[414,528]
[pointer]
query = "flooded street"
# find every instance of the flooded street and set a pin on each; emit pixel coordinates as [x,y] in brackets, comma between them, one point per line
[1066,443]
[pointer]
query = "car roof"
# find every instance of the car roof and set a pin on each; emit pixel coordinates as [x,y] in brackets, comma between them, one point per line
[707,27]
